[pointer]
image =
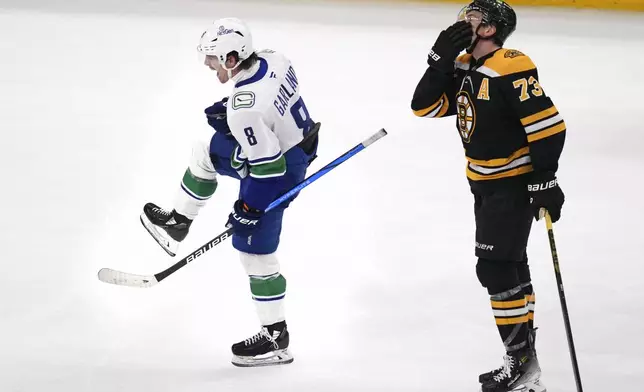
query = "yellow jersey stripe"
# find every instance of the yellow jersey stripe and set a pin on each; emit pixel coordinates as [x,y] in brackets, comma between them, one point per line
[444,109]
[508,304]
[530,298]
[539,116]
[510,173]
[500,161]
[464,58]
[513,320]
[424,112]
[547,132]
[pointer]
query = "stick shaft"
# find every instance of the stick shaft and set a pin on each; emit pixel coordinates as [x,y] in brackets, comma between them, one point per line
[562,299]
[297,188]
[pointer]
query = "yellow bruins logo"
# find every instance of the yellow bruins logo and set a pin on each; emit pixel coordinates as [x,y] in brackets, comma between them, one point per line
[511,53]
[466,115]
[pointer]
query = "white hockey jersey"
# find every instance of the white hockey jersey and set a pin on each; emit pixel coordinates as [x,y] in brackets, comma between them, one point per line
[266,114]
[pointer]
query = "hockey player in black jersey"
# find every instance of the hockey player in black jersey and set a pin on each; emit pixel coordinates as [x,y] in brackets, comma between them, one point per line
[513,136]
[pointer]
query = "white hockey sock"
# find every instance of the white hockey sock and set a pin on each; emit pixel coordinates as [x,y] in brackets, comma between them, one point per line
[199,182]
[193,194]
[267,286]
[268,296]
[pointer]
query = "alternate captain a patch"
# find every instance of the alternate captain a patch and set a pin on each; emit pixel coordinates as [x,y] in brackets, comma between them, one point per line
[466,115]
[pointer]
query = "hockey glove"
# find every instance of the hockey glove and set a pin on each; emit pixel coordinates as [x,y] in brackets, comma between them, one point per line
[244,219]
[545,193]
[449,44]
[216,116]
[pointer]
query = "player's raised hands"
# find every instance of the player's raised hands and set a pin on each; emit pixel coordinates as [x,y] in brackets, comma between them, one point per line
[449,44]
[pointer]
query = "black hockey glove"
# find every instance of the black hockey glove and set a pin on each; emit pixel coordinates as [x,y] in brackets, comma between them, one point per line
[449,44]
[216,116]
[244,219]
[545,193]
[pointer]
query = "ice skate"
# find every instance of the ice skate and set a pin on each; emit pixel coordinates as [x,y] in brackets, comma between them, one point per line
[519,373]
[532,339]
[168,228]
[266,348]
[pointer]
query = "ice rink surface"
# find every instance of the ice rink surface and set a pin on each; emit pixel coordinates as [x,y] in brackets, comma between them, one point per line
[100,104]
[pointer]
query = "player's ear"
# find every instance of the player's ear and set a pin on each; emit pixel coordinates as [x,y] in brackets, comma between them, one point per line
[487,30]
[231,61]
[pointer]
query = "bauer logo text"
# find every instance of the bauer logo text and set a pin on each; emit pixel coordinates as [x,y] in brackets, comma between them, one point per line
[206,247]
[542,187]
[478,245]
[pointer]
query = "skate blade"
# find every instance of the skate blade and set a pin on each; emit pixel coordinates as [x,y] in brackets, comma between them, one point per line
[161,237]
[530,382]
[532,386]
[529,386]
[279,357]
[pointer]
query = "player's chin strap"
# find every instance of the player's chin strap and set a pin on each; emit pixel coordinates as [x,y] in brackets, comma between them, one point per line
[470,49]
[229,71]
[250,71]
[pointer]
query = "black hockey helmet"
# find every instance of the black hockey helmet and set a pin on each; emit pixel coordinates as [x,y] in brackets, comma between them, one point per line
[497,13]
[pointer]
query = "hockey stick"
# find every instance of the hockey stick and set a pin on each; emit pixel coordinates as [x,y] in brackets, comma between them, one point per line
[562,299]
[108,275]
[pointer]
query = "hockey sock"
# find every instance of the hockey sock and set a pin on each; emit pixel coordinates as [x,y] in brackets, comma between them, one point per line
[511,315]
[528,292]
[523,270]
[268,295]
[194,194]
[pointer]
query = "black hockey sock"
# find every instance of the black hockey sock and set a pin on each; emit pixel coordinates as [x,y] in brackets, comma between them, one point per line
[279,326]
[511,315]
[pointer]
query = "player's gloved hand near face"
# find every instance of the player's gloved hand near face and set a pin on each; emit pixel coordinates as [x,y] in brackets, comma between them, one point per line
[449,44]
[244,219]
[545,193]
[216,115]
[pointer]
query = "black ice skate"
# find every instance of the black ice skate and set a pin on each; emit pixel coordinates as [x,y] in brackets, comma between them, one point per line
[532,340]
[168,228]
[520,373]
[268,347]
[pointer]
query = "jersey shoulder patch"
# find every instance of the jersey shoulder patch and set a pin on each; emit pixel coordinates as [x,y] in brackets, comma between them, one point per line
[512,53]
[509,61]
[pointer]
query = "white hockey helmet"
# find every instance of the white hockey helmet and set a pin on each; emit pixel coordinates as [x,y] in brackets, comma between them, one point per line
[224,36]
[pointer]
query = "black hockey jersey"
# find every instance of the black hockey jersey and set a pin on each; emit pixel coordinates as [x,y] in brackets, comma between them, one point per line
[508,125]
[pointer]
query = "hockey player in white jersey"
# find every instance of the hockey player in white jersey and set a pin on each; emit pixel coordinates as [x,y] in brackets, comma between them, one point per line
[265,137]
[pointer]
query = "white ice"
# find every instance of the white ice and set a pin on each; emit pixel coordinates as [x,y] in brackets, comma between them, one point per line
[100,102]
